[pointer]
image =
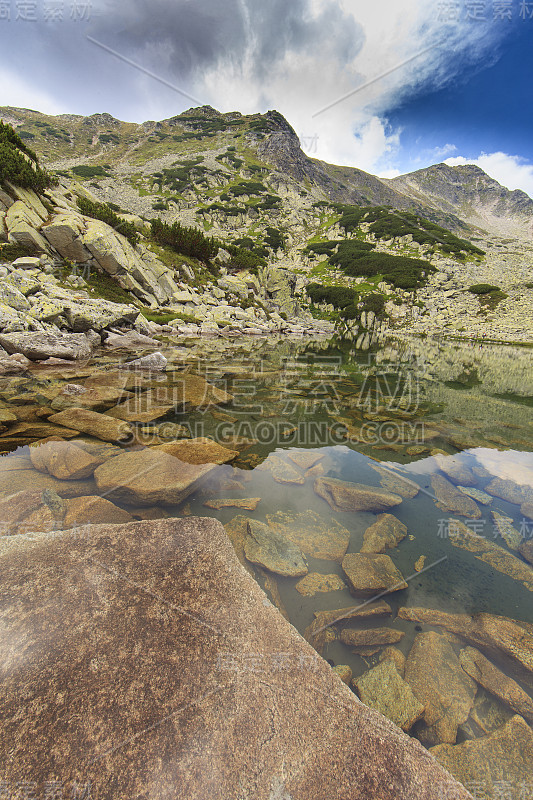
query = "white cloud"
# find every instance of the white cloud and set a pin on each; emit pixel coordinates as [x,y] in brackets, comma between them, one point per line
[17,92]
[513,172]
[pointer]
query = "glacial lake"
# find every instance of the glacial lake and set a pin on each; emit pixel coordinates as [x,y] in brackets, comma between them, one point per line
[307,412]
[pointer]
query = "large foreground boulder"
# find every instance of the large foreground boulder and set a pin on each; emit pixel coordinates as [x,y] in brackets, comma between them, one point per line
[144,660]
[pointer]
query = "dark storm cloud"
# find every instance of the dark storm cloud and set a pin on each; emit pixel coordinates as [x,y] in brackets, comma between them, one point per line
[189,38]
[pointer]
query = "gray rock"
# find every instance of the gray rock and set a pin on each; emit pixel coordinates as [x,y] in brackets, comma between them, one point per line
[43,345]
[155,362]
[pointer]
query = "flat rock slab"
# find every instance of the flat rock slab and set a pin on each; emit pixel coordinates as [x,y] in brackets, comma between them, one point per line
[344,496]
[136,642]
[316,583]
[266,547]
[282,471]
[492,554]
[315,535]
[496,682]
[371,637]
[199,451]
[190,391]
[384,689]
[96,399]
[386,532]
[371,574]
[99,425]
[502,759]
[247,503]
[452,500]
[435,675]
[149,478]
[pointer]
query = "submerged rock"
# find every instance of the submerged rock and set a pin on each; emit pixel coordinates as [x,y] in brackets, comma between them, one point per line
[386,533]
[456,470]
[511,537]
[149,478]
[269,549]
[155,362]
[247,503]
[496,682]
[370,574]
[372,637]
[500,636]
[503,758]
[64,460]
[199,451]
[315,535]
[315,583]
[434,673]
[344,496]
[396,482]
[383,689]
[452,500]
[496,557]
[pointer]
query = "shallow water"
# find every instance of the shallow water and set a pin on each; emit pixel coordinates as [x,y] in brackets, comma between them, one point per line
[396,406]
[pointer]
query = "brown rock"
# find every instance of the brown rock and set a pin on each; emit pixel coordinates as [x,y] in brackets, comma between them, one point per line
[344,672]
[63,460]
[370,574]
[496,682]
[148,478]
[99,425]
[370,637]
[97,399]
[502,759]
[248,503]
[282,471]
[93,511]
[198,451]
[437,679]
[384,689]
[38,430]
[344,496]
[526,550]
[318,631]
[190,391]
[385,533]
[270,550]
[237,530]
[498,635]
[451,499]
[13,481]
[315,583]
[397,658]
[179,624]
[315,535]
[139,409]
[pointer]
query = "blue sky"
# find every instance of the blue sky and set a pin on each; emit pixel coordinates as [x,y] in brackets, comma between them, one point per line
[451,87]
[486,109]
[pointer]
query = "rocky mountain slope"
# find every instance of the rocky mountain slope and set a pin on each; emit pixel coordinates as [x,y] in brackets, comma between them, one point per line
[471,194]
[283,221]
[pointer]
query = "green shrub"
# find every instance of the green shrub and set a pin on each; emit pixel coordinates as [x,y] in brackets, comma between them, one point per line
[275,239]
[483,288]
[247,188]
[106,214]
[87,171]
[19,164]
[337,296]
[374,302]
[188,241]
[243,259]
